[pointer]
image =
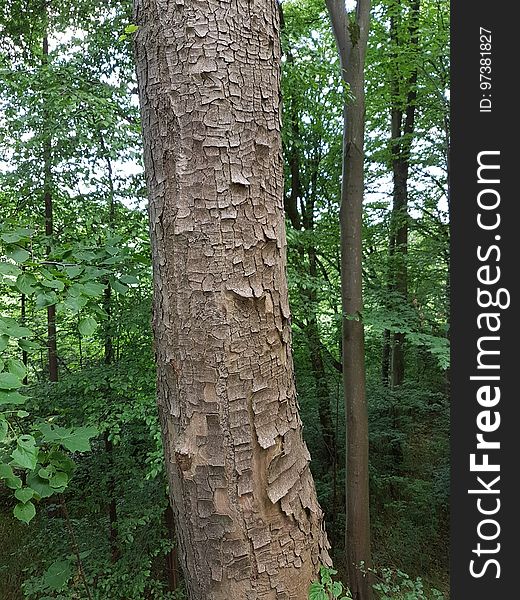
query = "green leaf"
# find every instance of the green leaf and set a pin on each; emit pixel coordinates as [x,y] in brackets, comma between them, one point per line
[9,269]
[131,28]
[4,341]
[59,480]
[6,471]
[13,237]
[8,381]
[16,367]
[28,345]
[129,279]
[74,440]
[39,485]
[87,326]
[19,255]
[25,454]
[337,589]
[91,288]
[44,473]
[11,328]
[25,282]
[55,284]
[61,461]
[74,271]
[4,429]
[119,287]
[24,494]
[11,397]
[24,512]
[46,299]
[317,591]
[13,483]
[58,574]
[75,303]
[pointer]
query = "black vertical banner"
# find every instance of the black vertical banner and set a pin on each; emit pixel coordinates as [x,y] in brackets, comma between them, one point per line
[484,201]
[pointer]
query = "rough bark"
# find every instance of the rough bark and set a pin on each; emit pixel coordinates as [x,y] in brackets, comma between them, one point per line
[247,519]
[351,33]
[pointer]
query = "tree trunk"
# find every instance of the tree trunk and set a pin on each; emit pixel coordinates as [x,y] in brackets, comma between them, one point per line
[246,515]
[404,96]
[52,351]
[351,35]
[115,552]
[25,355]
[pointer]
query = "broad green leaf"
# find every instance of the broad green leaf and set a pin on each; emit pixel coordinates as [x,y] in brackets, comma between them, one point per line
[26,452]
[55,284]
[61,461]
[317,591]
[131,28]
[119,287]
[4,429]
[19,255]
[57,575]
[11,328]
[46,299]
[113,260]
[8,381]
[87,326]
[75,303]
[129,279]
[13,483]
[6,471]
[74,271]
[24,512]
[11,397]
[4,341]
[337,589]
[25,282]
[24,494]
[9,269]
[13,237]
[39,485]
[16,367]
[91,288]
[74,440]
[28,345]
[59,480]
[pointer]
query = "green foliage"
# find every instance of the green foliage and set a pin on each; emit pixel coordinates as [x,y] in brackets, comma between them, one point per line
[397,585]
[92,439]
[327,589]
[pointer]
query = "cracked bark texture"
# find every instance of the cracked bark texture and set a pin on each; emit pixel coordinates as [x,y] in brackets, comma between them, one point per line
[247,519]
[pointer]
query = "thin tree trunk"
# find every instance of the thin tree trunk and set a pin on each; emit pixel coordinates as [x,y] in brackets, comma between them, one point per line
[351,33]
[52,350]
[25,355]
[319,372]
[402,129]
[115,552]
[247,519]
